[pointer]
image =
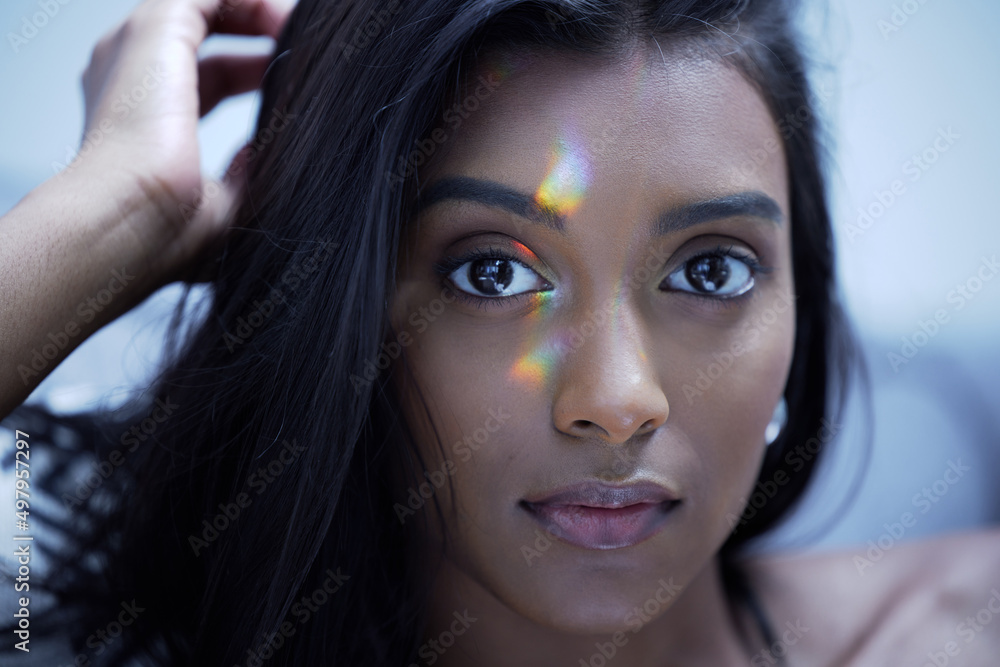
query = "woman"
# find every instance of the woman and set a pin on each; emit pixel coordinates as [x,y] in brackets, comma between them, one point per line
[519,303]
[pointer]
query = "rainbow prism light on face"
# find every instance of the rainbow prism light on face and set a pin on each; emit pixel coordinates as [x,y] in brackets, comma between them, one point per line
[569,174]
[542,352]
[561,192]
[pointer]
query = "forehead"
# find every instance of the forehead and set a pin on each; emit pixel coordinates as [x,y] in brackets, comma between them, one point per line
[647,124]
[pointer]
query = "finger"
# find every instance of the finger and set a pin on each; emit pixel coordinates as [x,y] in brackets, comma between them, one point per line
[246,17]
[222,76]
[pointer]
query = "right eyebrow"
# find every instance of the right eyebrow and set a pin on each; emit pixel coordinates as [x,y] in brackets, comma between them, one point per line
[750,204]
[493,194]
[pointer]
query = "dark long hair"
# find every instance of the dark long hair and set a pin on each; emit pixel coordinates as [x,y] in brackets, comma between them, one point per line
[270,481]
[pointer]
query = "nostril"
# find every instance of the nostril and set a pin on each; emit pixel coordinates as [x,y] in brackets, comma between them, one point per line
[585,427]
[647,426]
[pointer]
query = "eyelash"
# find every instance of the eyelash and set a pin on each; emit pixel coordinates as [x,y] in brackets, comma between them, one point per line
[447,265]
[724,302]
[735,253]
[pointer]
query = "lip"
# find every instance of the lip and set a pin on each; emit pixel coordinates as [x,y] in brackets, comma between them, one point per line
[595,515]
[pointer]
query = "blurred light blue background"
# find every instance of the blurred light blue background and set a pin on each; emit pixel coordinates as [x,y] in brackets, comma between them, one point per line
[894,86]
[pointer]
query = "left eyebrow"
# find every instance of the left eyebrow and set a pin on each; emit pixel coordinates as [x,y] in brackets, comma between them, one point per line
[751,204]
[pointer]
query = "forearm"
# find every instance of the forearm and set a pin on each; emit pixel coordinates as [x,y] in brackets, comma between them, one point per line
[72,259]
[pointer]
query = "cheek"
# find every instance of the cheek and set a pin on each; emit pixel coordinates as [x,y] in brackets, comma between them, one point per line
[462,405]
[489,436]
[725,398]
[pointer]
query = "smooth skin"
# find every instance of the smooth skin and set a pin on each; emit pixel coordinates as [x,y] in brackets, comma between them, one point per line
[608,405]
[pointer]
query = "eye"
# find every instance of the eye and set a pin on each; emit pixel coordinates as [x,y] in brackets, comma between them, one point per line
[492,277]
[718,274]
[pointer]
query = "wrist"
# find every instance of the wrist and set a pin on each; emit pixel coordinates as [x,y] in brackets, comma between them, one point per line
[121,217]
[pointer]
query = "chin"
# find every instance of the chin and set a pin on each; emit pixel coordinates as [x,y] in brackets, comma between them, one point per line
[597,607]
[590,593]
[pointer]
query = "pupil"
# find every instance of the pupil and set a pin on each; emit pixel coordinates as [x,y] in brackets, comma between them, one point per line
[708,273]
[491,276]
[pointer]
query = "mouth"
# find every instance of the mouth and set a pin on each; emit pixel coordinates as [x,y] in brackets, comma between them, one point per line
[595,515]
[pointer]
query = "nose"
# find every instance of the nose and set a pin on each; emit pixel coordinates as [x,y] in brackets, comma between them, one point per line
[607,387]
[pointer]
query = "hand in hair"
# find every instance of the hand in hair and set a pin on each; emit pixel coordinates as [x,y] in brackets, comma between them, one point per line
[127,215]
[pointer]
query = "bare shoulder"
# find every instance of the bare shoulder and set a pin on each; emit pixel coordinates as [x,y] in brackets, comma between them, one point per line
[887,602]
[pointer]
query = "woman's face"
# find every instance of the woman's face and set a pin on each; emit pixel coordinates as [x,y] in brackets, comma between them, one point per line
[596,304]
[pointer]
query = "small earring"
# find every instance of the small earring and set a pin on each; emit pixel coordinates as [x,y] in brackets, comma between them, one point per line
[777,423]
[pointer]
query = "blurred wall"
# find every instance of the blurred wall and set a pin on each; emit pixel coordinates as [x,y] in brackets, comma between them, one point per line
[913,92]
